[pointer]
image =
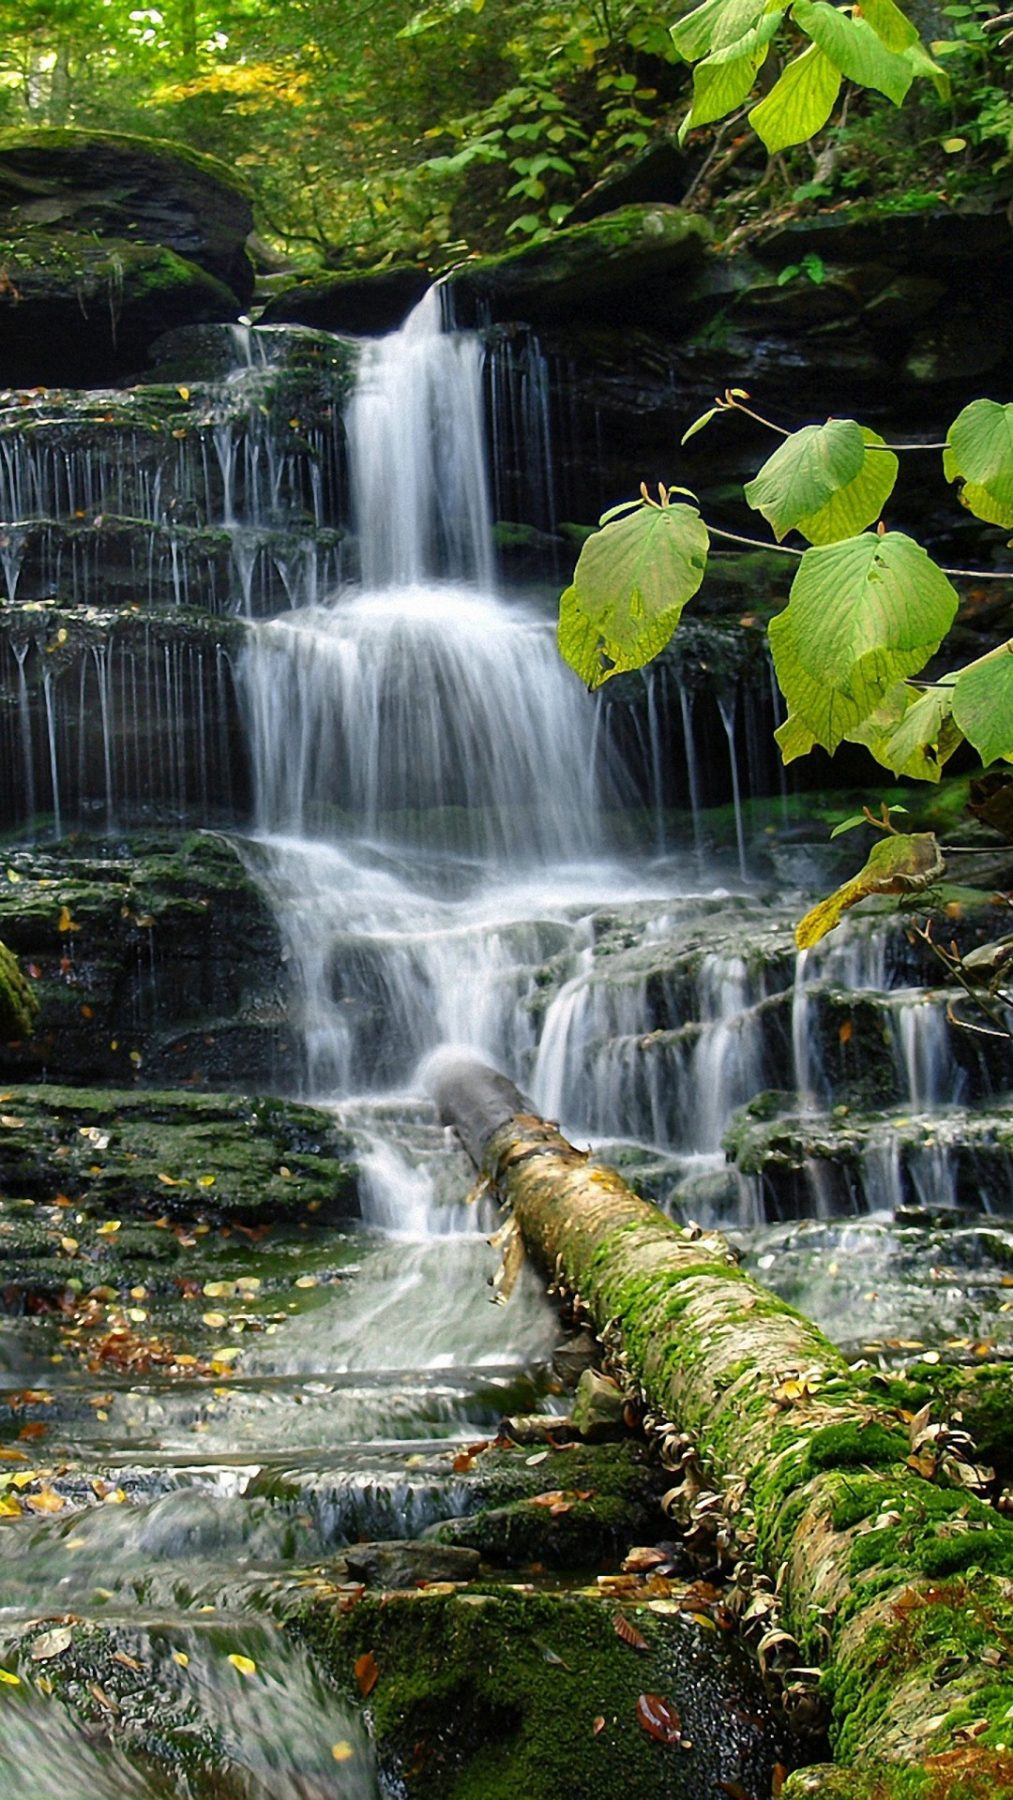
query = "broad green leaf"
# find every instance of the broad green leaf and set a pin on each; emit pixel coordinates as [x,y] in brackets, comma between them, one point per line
[925,738]
[794,739]
[983,703]
[898,864]
[923,64]
[862,615]
[806,471]
[852,823]
[860,502]
[980,451]
[855,48]
[722,81]
[632,580]
[890,24]
[714,25]
[799,103]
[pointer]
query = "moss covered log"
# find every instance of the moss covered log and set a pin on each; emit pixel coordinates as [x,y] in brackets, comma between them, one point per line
[18,1005]
[896,1578]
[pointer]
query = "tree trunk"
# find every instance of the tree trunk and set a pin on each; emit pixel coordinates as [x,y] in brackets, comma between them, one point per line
[893,1576]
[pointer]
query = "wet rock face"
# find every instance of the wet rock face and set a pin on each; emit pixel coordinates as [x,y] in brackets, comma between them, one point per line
[151,962]
[107,241]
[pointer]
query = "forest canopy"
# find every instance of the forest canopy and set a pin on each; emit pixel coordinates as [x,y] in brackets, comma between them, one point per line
[378,131]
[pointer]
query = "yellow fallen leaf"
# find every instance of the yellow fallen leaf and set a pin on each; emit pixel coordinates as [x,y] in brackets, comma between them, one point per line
[183,392]
[205,1181]
[181,1657]
[137,1314]
[9,1507]
[245,1664]
[8,1679]
[214,1319]
[109,1229]
[219,1290]
[12,875]
[69,1245]
[10,1121]
[308,1281]
[342,1752]
[66,922]
[169,1180]
[45,1501]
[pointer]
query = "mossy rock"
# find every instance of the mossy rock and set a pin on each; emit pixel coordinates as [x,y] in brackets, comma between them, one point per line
[219,1155]
[367,303]
[598,269]
[494,1695]
[154,959]
[81,311]
[110,185]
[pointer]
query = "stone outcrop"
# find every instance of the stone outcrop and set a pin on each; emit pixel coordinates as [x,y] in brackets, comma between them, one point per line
[106,241]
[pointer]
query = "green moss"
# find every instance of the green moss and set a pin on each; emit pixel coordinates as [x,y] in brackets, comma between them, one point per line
[18,1004]
[495,1696]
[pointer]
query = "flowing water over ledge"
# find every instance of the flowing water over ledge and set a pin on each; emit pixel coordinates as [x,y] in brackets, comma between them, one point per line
[433,798]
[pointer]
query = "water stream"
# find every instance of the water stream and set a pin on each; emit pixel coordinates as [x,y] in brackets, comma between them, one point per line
[432,800]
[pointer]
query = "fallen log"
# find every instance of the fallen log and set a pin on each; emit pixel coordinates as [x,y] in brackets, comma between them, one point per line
[894,1576]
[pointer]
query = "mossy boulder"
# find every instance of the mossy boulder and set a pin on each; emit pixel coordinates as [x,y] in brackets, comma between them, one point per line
[141,190]
[493,1695]
[597,270]
[130,1151]
[78,311]
[154,960]
[366,304]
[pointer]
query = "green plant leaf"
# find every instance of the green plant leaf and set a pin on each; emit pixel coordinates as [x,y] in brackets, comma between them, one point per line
[980,452]
[799,103]
[805,472]
[983,703]
[898,864]
[855,48]
[860,502]
[794,739]
[698,424]
[924,738]
[632,580]
[923,64]
[714,25]
[852,823]
[724,78]
[862,615]
[890,24]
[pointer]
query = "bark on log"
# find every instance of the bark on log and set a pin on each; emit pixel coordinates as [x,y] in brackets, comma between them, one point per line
[895,1578]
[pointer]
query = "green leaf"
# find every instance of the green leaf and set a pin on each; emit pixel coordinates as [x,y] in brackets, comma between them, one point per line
[722,81]
[983,703]
[862,615]
[923,64]
[799,103]
[924,738]
[714,25]
[698,424]
[890,24]
[980,452]
[862,818]
[855,48]
[805,472]
[632,580]
[793,739]
[860,501]
[898,864]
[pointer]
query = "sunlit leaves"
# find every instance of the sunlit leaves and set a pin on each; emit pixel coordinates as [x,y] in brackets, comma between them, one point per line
[632,580]
[244,1665]
[715,25]
[860,502]
[897,864]
[799,103]
[805,472]
[854,48]
[862,615]
[892,26]
[980,454]
[912,734]
[724,78]
[983,704]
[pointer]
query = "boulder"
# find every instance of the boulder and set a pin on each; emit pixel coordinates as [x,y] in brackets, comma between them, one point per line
[79,310]
[366,305]
[596,271]
[141,190]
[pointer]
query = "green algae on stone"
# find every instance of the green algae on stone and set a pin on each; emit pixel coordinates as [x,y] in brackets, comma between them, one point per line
[491,1695]
[223,1156]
